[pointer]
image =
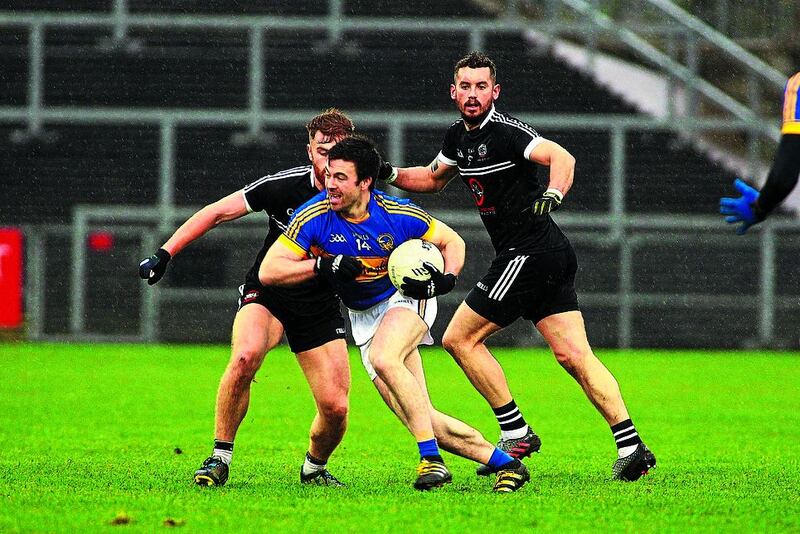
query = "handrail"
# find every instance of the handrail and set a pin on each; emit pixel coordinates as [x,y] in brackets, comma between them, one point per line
[651,53]
[732,49]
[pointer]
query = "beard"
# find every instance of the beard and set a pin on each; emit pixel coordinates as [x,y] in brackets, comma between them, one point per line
[477,119]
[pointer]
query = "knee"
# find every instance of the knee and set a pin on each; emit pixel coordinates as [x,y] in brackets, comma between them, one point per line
[384,365]
[334,409]
[572,357]
[455,344]
[245,363]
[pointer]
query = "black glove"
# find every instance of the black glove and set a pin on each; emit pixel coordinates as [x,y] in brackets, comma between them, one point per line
[154,267]
[438,284]
[338,269]
[387,173]
[548,202]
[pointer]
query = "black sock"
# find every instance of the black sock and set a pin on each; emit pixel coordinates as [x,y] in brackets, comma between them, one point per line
[434,459]
[513,464]
[625,435]
[509,417]
[224,450]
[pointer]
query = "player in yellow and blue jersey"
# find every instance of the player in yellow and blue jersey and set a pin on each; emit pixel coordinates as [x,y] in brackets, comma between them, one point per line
[346,235]
[754,206]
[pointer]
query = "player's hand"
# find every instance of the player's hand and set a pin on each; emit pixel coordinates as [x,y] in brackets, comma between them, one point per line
[154,267]
[387,173]
[339,268]
[438,284]
[549,201]
[742,210]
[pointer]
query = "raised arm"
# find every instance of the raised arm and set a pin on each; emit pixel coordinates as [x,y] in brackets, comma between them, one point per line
[228,208]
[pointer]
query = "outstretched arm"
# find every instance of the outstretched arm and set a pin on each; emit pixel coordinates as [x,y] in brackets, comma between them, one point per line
[229,208]
[428,179]
[226,209]
[782,176]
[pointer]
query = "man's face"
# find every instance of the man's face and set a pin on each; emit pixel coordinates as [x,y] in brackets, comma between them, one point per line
[318,148]
[474,92]
[340,182]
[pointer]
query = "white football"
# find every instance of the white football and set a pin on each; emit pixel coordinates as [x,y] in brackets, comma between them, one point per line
[406,261]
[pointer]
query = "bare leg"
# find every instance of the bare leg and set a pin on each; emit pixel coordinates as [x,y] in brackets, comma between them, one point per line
[566,335]
[327,369]
[255,332]
[464,340]
[454,436]
[387,355]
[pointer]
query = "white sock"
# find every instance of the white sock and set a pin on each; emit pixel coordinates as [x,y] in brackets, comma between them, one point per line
[223,455]
[514,434]
[312,467]
[622,452]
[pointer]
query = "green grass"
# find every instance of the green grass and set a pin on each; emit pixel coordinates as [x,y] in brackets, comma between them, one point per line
[90,433]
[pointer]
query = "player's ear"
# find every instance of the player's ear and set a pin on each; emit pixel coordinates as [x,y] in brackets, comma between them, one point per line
[452,91]
[308,151]
[495,91]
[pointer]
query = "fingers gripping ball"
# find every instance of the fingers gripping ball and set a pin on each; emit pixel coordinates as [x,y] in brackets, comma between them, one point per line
[406,261]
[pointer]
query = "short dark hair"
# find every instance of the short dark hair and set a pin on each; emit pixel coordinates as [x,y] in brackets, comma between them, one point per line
[332,123]
[363,153]
[476,60]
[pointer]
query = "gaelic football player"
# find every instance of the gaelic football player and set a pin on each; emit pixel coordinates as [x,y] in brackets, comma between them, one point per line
[533,273]
[308,313]
[346,235]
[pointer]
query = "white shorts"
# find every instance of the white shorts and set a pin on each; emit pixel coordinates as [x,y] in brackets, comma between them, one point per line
[365,323]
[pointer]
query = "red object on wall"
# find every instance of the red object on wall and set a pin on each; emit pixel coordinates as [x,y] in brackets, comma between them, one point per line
[10,277]
[101,241]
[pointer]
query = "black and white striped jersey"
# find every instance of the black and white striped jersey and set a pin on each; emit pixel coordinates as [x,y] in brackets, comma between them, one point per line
[278,195]
[493,162]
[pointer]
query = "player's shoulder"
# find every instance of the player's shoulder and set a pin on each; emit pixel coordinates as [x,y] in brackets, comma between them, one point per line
[312,208]
[400,206]
[285,178]
[506,121]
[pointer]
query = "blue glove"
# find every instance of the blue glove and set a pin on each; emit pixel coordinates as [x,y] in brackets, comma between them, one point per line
[743,209]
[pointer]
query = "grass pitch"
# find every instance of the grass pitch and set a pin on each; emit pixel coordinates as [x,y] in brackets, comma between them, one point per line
[105,438]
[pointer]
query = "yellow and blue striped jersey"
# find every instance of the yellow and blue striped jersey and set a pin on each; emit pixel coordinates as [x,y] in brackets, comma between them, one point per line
[791,106]
[315,229]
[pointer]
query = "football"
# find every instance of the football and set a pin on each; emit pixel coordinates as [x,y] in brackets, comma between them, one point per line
[406,261]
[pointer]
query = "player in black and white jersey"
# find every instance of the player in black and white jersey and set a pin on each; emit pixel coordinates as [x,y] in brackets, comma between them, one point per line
[308,313]
[533,274]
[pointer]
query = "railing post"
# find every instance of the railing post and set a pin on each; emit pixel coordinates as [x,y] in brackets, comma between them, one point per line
[625,310]
[120,20]
[692,62]
[617,192]
[476,40]
[78,279]
[256,79]
[767,293]
[35,74]
[753,133]
[149,302]
[166,190]
[334,22]
[35,256]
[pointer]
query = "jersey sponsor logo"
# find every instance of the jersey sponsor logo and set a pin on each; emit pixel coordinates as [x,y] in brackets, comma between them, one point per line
[477,191]
[386,242]
[337,238]
[251,295]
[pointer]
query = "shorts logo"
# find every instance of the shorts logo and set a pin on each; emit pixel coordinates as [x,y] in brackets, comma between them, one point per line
[482,286]
[386,242]
[337,238]
[340,331]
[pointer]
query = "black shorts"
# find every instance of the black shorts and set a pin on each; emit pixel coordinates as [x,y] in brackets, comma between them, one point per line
[532,285]
[308,323]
